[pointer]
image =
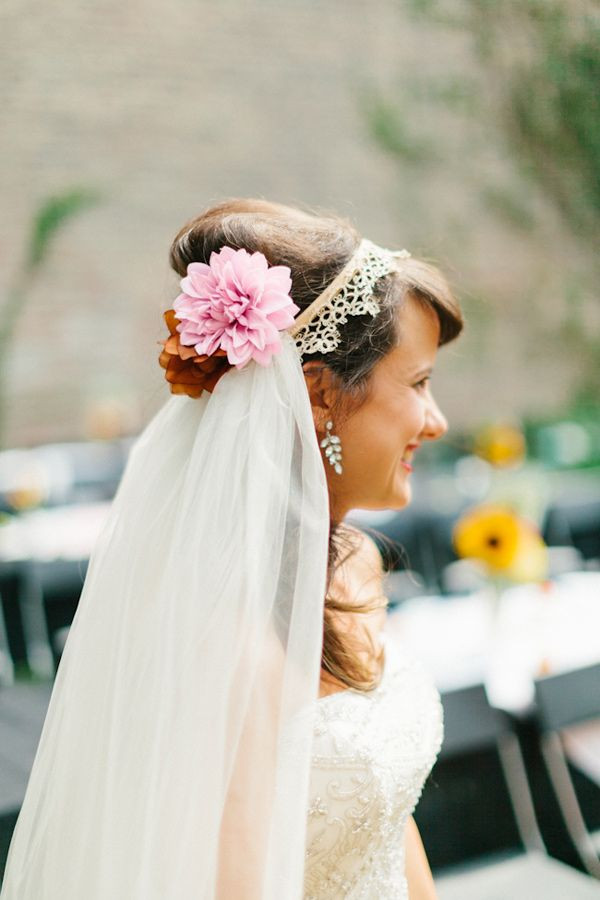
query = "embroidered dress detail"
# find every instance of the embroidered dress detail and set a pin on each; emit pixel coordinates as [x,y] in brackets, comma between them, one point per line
[371,755]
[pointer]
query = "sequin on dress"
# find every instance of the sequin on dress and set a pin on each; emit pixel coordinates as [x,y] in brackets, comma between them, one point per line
[372,753]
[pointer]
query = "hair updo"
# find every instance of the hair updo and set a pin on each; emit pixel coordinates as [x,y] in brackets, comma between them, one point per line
[316,247]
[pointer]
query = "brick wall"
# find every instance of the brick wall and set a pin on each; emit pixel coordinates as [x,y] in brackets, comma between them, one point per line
[166,108]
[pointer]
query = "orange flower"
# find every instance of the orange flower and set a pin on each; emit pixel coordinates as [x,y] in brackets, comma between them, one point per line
[186,371]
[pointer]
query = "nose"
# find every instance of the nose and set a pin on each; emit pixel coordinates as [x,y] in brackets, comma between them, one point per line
[436,423]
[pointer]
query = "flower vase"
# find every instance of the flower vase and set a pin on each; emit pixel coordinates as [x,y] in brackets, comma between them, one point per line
[493,602]
[546,592]
[494,648]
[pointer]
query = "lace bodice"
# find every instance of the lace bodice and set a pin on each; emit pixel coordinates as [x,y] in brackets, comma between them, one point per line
[371,755]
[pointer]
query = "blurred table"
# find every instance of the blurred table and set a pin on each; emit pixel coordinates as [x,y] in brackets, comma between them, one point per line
[40,551]
[534,632]
[61,532]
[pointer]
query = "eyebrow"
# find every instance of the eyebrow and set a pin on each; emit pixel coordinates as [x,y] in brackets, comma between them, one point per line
[426,371]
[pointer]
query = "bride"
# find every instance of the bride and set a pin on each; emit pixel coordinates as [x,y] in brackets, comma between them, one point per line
[229,718]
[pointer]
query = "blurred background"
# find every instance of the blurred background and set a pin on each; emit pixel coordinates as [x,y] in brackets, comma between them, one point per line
[464,130]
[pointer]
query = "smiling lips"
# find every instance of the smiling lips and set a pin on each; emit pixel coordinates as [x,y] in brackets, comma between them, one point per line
[408,456]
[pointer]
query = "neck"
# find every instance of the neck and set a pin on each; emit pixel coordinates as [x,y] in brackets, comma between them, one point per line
[338,509]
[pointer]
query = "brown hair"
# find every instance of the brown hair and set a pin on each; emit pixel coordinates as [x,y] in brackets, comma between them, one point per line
[316,245]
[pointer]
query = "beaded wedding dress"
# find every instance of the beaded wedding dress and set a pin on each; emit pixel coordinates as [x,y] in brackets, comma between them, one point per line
[371,754]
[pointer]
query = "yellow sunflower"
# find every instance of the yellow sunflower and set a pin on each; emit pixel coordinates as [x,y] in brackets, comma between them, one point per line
[506,543]
[501,445]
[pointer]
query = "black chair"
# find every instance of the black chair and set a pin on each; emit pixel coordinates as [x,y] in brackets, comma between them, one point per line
[55,587]
[574,524]
[23,708]
[525,872]
[568,709]
[38,600]
[14,584]
[7,669]
[421,539]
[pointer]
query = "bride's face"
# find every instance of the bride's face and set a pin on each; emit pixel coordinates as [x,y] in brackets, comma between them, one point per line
[378,441]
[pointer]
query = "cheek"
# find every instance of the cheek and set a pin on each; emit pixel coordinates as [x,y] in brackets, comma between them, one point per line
[405,420]
[382,432]
[414,419]
[364,441]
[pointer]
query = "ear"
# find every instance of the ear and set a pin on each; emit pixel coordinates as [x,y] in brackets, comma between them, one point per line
[319,381]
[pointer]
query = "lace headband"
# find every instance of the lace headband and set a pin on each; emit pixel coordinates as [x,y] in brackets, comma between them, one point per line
[349,294]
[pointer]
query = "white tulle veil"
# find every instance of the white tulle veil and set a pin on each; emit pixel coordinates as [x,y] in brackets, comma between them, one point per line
[175,755]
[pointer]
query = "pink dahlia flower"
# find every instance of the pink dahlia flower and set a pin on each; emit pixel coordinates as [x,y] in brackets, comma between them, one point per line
[237,303]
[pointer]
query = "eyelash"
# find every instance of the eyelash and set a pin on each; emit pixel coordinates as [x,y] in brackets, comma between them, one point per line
[422,382]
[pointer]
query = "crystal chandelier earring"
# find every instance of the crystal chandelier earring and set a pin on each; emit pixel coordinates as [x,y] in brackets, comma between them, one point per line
[333,448]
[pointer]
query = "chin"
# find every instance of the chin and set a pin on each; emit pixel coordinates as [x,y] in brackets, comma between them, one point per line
[402,497]
[397,500]
[397,497]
